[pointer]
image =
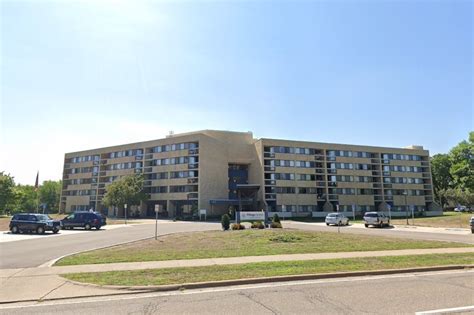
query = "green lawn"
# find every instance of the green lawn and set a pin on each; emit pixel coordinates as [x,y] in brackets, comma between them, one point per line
[268,269]
[447,220]
[212,244]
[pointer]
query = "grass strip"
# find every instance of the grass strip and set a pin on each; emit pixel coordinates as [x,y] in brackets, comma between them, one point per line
[266,269]
[218,244]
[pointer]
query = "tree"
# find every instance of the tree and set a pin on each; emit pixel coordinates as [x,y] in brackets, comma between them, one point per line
[462,164]
[127,190]
[225,222]
[50,193]
[25,199]
[7,195]
[442,179]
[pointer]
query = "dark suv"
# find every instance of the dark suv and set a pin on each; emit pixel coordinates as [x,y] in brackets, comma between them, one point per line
[33,222]
[83,219]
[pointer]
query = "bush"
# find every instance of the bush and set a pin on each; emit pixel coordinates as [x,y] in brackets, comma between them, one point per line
[258,225]
[276,219]
[225,221]
[238,226]
[276,225]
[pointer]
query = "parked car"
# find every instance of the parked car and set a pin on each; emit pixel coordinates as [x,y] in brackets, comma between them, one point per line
[33,222]
[83,219]
[471,223]
[376,219]
[337,219]
[461,209]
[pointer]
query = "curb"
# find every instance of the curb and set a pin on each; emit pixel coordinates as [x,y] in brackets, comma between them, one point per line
[211,284]
[52,262]
[215,284]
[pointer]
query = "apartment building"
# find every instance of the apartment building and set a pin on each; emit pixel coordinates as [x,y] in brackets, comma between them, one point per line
[206,169]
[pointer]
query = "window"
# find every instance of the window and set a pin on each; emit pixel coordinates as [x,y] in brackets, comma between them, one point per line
[285,190]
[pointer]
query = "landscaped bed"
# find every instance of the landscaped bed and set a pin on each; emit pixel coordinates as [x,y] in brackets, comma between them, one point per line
[212,244]
[267,269]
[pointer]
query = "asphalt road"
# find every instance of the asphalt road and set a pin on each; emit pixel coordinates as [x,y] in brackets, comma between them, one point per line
[465,237]
[43,248]
[401,294]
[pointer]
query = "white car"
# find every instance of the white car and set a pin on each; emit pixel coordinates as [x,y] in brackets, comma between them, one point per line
[337,219]
[460,209]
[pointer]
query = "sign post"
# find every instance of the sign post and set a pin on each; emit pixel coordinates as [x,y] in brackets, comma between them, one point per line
[125,206]
[354,211]
[157,209]
[413,215]
[389,212]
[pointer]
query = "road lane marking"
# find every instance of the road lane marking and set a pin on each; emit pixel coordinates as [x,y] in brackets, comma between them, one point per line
[448,310]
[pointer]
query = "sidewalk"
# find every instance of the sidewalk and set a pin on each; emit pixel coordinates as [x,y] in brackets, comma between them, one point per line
[35,284]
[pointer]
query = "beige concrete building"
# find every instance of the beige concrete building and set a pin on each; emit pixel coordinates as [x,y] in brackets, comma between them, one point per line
[201,170]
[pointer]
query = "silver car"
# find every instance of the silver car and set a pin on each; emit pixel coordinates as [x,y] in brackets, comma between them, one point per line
[376,219]
[337,219]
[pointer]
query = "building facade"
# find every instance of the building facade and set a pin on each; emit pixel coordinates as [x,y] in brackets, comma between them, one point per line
[201,170]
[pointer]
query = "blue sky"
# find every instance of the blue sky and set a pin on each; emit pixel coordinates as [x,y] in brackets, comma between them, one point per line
[83,74]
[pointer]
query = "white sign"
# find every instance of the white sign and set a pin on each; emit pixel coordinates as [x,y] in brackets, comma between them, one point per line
[157,208]
[252,215]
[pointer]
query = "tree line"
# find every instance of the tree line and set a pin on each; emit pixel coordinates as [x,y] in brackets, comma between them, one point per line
[453,175]
[16,198]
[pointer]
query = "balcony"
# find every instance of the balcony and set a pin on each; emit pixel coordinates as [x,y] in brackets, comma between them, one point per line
[270,182]
[332,171]
[192,180]
[138,157]
[193,166]
[270,196]
[148,156]
[375,161]
[192,195]
[268,155]
[148,169]
[269,168]
[321,184]
[193,151]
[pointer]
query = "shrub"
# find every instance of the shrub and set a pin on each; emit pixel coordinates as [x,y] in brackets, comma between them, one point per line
[225,221]
[276,218]
[276,225]
[258,225]
[238,226]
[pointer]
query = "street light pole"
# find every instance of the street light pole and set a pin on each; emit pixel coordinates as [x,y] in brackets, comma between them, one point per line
[125,206]
[405,193]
